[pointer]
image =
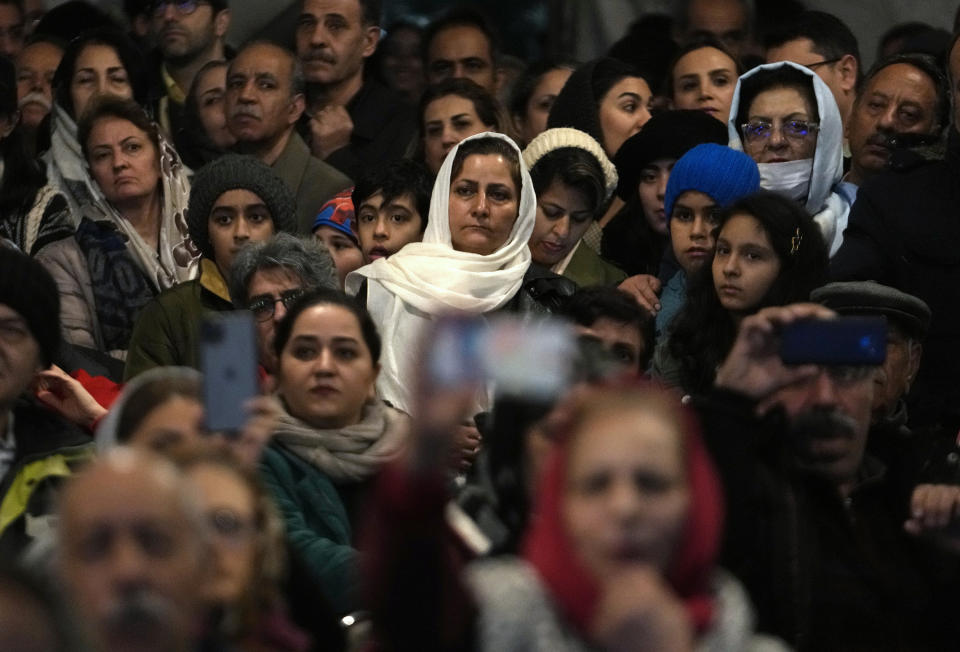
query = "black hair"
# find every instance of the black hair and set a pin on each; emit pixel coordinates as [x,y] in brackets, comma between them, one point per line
[929,67]
[576,168]
[648,45]
[524,86]
[370,12]
[489,145]
[326,296]
[126,51]
[831,37]
[73,18]
[698,43]
[704,331]
[606,74]
[395,179]
[152,394]
[589,304]
[461,16]
[194,145]
[915,37]
[785,76]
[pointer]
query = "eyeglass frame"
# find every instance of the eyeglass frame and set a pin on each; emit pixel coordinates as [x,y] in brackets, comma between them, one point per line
[810,126]
[160,6]
[287,298]
[825,62]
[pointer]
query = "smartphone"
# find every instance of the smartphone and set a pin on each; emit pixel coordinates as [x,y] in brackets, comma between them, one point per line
[522,358]
[852,341]
[228,357]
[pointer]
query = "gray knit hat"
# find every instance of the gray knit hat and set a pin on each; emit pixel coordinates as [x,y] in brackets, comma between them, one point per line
[233,172]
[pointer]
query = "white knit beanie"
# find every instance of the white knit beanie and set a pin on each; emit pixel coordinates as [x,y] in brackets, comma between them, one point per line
[560,137]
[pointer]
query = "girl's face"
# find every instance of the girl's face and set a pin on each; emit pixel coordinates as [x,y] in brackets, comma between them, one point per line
[446,121]
[174,427]
[626,497]
[563,216]
[230,509]
[346,254]
[210,90]
[327,373]
[704,80]
[534,120]
[484,204]
[780,130]
[623,112]
[98,70]
[745,264]
[652,188]
[695,216]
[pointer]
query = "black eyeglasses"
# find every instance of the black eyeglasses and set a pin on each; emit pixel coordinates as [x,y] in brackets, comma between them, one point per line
[813,66]
[184,7]
[758,131]
[265,305]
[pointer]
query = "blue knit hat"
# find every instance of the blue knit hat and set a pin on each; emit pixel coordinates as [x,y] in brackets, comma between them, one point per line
[724,174]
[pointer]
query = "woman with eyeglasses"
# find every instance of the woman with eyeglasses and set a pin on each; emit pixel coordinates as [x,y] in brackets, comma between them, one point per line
[236,200]
[785,117]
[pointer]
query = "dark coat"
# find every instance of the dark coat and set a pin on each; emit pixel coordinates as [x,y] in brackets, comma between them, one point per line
[824,572]
[904,231]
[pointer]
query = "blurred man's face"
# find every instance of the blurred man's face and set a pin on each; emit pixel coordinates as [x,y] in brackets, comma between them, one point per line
[829,416]
[725,20]
[899,369]
[36,66]
[461,51]
[19,356]
[129,556]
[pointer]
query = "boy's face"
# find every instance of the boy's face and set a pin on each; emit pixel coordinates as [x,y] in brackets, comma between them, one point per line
[385,227]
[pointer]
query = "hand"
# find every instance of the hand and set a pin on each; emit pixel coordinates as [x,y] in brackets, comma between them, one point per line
[753,366]
[935,512]
[466,446]
[263,413]
[638,611]
[67,397]
[645,289]
[330,129]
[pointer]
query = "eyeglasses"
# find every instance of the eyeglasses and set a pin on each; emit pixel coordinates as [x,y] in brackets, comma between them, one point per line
[184,7]
[754,132]
[812,66]
[264,306]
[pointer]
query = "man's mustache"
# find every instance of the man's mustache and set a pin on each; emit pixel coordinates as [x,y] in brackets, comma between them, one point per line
[35,97]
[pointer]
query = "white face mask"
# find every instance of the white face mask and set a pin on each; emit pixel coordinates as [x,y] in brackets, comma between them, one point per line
[790,179]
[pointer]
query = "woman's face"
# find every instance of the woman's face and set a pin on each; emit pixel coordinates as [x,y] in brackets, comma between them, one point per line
[652,189]
[446,121]
[98,70]
[695,216]
[230,509]
[770,111]
[623,112]
[327,373]
[534,119]
[745,264]
[704,80]
[563,216]
[123,161]
[211,87]
[626,497]
[174,427]
[484,203]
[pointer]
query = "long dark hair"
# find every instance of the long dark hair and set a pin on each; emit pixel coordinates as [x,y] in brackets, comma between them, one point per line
[802,253]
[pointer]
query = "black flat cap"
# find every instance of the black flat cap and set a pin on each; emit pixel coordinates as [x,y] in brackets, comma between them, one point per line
[872,298]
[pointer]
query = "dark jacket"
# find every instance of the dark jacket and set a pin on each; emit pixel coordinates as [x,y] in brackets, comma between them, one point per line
[904,231]
[824,572]
[166,332]
[48,450]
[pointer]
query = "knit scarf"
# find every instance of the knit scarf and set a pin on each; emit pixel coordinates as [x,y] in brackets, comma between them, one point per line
[176,258]
[350,454]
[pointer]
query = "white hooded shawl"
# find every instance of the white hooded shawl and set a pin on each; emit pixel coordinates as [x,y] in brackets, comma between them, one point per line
[829,209]
[426,279]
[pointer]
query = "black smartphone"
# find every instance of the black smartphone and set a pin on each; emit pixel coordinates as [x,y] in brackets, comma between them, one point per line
[853,341]
[228,357]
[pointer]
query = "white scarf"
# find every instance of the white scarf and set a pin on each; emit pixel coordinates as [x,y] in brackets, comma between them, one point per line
[176,258]
[430,278]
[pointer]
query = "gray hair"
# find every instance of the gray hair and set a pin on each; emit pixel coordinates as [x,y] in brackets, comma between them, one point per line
[303,257]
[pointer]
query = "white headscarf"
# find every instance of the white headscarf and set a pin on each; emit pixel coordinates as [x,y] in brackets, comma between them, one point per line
[430,278]
[829,209]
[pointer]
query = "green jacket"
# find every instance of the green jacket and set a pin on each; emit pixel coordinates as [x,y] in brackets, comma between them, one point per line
[312,181]
[317,525]
[166,332]
[586,268]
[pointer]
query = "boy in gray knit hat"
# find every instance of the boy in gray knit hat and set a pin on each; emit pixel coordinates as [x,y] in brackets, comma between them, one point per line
[235,200]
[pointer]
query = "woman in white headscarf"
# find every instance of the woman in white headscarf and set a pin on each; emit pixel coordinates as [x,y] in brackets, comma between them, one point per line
[473,257]
[784,116]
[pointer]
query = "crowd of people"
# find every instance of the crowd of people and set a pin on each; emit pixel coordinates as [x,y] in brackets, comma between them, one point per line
[522,336]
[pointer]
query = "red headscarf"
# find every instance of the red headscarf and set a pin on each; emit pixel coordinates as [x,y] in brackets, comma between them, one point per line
[576,591]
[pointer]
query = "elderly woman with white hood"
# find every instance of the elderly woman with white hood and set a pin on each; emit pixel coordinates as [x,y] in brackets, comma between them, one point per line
[784,116]
[473,258]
